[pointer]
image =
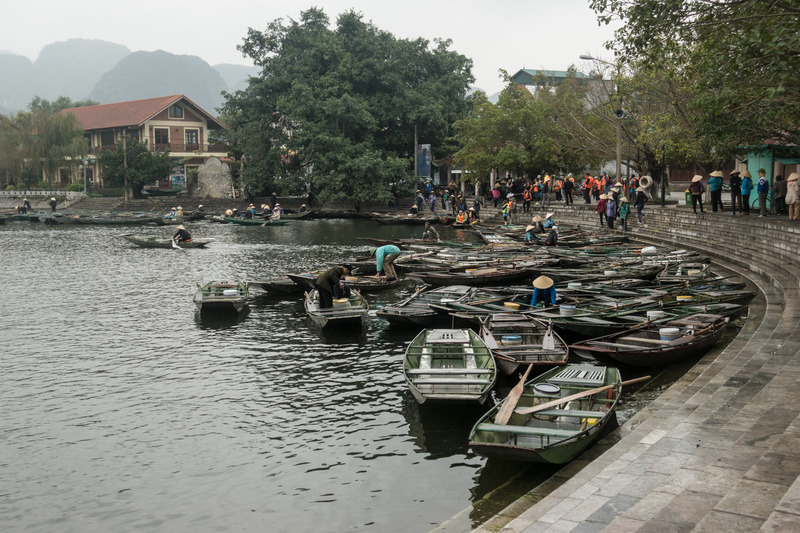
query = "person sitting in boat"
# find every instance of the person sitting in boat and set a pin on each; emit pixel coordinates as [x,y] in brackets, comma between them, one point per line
[53,204]
[303,208]
[181,235]
[548,221]
[200,209]
[229,213]
[544,292]
[461,217]
[172,213]
[276,213]
[530,234]
[536,222]
[413,210]
[329,279]
[179,211]
[250,211]
[552,237]
[430,233]
[472,216]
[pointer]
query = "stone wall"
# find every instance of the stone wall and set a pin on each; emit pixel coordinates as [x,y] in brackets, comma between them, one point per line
[213,180]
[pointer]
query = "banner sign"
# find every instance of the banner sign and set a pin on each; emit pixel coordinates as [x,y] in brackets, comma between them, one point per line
[424,160]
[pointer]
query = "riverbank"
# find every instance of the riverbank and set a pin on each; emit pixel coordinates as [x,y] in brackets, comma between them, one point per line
[719,450]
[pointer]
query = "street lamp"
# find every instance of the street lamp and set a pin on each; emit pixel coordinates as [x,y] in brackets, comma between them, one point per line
[619,113]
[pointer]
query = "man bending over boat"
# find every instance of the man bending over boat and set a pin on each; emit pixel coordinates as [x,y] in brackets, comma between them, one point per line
[544,292]
[430,233]
[384,259]
[330,280]
[181,235]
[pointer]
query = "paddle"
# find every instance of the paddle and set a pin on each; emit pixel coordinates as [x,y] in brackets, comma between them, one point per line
[549,341]
[175,244]
[507,409]
[576,396]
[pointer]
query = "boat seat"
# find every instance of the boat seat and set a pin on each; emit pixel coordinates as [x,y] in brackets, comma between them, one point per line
[525,430]
[572,412]
[448,371]
[591,344]
[450,381]
[648,341]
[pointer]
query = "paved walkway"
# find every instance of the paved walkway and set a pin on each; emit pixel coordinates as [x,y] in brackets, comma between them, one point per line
[718,451]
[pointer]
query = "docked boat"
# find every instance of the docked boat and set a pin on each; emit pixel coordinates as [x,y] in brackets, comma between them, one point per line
[254,221]
[452,365]
[169,221]
[346,312]
[162,242]
[561,428]
[117,220]
[656,344]
[416,310]
[477,276]
[221,297]
[306,282]
[516,340]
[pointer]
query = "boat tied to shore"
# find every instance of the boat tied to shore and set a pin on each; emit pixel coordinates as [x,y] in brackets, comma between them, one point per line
[221,297]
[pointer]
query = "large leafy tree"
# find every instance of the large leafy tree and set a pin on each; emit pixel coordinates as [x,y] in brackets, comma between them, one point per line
[340,107]
[133,163]
[741,56]
[49,142]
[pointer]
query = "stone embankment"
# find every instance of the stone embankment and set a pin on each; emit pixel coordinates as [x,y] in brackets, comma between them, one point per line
[720,449]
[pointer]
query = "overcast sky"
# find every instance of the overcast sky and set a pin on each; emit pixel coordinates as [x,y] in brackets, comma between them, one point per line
[496,34]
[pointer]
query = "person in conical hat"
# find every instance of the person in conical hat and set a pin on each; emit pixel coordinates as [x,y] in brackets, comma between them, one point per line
[544,292]
[624,211]
[181,235]
[715,190]
[696,188]
[530,234]
[747,188]
[793,196]
[548,221]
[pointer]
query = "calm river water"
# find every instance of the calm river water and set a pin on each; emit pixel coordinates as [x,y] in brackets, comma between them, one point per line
[124,411]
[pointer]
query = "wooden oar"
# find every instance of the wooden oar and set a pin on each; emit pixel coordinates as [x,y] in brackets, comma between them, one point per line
[506,410]
[576,396]
[174,244]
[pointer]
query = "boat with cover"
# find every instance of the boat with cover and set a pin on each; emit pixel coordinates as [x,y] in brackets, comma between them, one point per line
[163,242]
[516,340]
[346,312]
[416,310]
[561,429]
[650,345]
[449,365]
[221,297]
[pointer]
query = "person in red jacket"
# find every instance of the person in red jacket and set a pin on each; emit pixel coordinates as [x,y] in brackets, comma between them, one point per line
[600,208]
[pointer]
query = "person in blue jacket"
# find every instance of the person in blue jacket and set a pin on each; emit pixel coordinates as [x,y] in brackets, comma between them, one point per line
[544,292]
[763,191]
[384,259]
[747,188]
[715,189]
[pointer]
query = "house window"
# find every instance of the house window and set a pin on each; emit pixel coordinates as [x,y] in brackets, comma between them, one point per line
[192,142]
[175,111]
[161,136]
[107,138]
[133,134]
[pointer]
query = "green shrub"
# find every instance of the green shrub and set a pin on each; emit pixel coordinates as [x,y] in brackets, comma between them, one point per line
[75,187]
[10,187]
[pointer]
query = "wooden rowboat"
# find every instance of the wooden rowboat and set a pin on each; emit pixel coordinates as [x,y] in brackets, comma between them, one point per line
[346,312]
[657,344]
[159,242]
[416,310]
[221,297]
[519,340]
[363,283]
[254,221]
[558,434]
[450,365]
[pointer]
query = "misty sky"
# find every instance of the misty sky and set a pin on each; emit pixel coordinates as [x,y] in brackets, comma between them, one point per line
[499,34]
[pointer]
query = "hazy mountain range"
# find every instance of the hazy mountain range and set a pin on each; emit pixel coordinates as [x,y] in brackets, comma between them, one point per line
[108,72]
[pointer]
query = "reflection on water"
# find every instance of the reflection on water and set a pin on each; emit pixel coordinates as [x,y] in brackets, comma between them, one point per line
[125,410]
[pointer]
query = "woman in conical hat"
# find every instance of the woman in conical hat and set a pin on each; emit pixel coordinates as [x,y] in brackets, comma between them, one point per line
[544,292]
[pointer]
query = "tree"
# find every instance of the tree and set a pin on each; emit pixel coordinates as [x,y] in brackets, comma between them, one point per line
[61,103]
[741,56]
[131,159]
[340,107]
[50,142]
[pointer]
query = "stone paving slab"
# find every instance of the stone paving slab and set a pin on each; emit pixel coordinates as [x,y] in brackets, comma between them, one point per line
[717,451]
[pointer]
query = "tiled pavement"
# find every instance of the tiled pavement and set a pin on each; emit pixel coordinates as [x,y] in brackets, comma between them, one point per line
[718,451]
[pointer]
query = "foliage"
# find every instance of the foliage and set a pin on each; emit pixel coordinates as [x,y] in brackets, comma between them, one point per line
[740,55]
[40,105]
[530,133]
[132,159]
[75,187]
[49,142]
[339,108]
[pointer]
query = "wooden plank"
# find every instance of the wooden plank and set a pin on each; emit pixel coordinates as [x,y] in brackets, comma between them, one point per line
[525,430]
[573,413]
[450,381]
[639,339]
[449,371]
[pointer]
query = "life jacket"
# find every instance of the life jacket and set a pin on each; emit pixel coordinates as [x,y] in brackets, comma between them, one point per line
[536,187]
[557,185]
[461,218]
[588,183]
[633,183]
[527,195]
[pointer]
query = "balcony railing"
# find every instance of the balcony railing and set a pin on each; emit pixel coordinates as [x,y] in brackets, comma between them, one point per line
[172,147]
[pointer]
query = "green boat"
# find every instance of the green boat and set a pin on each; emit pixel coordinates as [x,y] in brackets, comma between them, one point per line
[221,297]
[449,365]
[555,434]
[254,221]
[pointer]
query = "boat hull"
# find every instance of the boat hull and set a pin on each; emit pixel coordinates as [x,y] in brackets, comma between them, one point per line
[221,297]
